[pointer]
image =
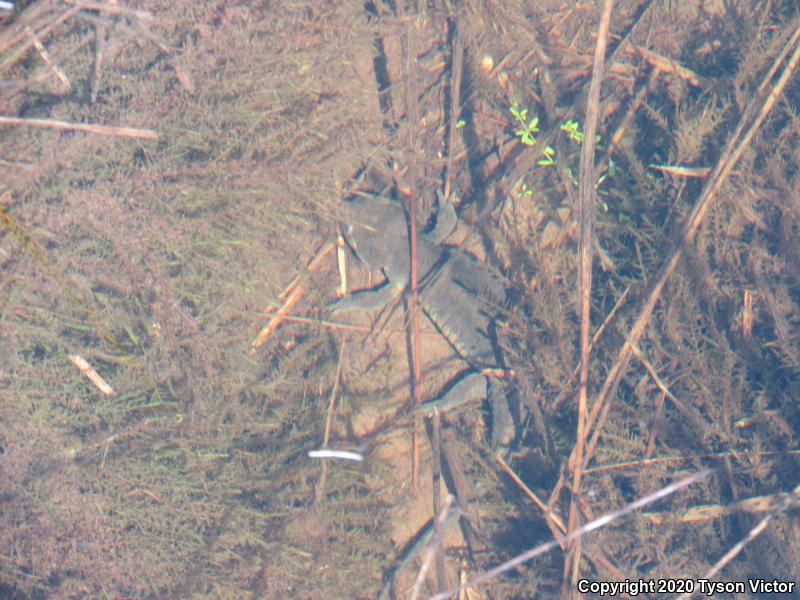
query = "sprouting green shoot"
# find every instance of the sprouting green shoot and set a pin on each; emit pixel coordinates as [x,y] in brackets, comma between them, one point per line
[573,130]
[527,128]
[549,157]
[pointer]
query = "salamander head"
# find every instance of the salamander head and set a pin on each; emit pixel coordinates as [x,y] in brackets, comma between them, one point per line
[377,231]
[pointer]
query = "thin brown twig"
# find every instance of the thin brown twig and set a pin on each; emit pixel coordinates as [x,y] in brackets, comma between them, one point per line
[112,9]
[54,68]
[143,492]
[297,289]
[655,428]
[691,415]
[667,65]
[410,92]
[455,105]
[100,35]
[464,489]
[434,548]
[327,324]
[436,425]
[643,462]
[42,73]
[33,15]
[633,107]
[40,34]
[318,493]
[595,338]
[519,158]
[137,27]
[159,41]
[554,522]
[91,374]
[146,134]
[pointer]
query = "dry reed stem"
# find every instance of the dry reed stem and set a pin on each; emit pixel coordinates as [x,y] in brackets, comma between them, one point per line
[40,34]
[91,374]
[54,68]
[40,255]
[692,415]
[587,208]
[655,426]
[37,75]
[598,334]
[436,477]
[455,105]
[320,490]
[159,41]
[146,134]
[408,57]
[326,324]
[747,315]
[683,171]
[111,8]
[16,31]
[513,152]
[554,522]
[434,548]
[341,261]
[100,37]
[709,512]
[639,464]
[616,137]
[667,65]
[142,492]
[465,492]
[298,288]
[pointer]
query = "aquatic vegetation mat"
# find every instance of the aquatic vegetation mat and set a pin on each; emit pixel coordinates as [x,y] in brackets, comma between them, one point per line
[172,182]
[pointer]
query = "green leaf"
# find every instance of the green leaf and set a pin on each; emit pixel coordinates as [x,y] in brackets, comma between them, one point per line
[549,157]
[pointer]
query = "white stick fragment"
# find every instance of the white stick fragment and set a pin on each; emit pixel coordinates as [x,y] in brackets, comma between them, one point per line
[92,375]
[341,256]
[344,454]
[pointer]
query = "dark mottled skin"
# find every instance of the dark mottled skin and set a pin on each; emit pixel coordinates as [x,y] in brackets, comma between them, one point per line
[451,286]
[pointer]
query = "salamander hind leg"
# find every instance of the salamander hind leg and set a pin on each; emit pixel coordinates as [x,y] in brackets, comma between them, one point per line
[503,429]
[475,387]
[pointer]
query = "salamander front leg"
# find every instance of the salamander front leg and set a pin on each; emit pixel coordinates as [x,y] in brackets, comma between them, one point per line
[367,300]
